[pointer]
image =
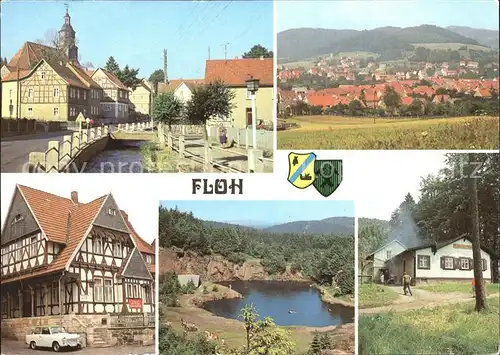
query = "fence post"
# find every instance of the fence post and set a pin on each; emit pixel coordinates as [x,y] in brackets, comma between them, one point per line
[105,130]
[37,161]
[170,140]
[119,126]
[76,144]
[181,146]
[126,126]
[85,137]
[255,165]
[92,135]
[99,132]
[65,151]
[52,157]
[208,163]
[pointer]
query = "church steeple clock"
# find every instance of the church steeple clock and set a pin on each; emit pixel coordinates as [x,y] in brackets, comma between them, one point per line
[67,38]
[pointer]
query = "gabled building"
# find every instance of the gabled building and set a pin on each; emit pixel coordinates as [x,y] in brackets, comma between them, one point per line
[62,256]
[234,73]
[115,100]
[140,98]
[182,88]
[448,260]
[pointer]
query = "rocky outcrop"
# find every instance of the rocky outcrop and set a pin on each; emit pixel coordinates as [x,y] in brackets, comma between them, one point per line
[216,267]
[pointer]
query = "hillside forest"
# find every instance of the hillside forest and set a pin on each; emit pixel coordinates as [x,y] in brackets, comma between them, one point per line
[318,257]
[444,208]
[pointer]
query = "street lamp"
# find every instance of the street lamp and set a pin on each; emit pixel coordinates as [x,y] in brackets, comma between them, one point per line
[252,87]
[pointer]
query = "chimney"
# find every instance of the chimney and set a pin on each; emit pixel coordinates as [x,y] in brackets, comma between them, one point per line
[74,197]
[125,215]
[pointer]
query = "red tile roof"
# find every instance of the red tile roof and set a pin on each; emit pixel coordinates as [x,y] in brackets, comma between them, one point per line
[234,72]
[52,213]
[13,75]
[30,53]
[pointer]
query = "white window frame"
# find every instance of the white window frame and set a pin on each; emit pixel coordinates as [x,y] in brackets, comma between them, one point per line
[55,111]
[129,291]
[98,290]
[463,262]
[85,95]
[30,112]
[19,250]
[108,290]
[77,94]
[56,92]
[117,249]
[55,293]
[43,75]
[422,262]
[446,265]
[388,254]
[33,246]
[111,211]
[30,93]
[97,246]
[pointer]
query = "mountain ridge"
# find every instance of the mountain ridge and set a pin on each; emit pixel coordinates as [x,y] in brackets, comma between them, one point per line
[307,42]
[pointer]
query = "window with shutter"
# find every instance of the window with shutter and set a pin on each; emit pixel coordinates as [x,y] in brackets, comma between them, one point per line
[464,264]
[449,263]
[484,264]
[424,262]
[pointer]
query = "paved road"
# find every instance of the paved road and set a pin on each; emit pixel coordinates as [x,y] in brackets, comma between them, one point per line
[15,150]
[11,347]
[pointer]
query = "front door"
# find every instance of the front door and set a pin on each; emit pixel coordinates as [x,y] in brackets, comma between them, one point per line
[27,304]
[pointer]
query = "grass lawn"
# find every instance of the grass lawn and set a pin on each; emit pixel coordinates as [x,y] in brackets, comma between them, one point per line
[335,132]
[456,329]
[465,287]
[374,295]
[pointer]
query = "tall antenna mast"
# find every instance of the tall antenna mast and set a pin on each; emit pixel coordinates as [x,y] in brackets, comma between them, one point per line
[225,49]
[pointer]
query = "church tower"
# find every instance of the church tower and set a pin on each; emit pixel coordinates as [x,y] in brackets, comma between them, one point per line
[67,38]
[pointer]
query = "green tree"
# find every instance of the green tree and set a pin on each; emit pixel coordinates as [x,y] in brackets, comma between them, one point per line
[209,101]
[258,51]
[391,99]
[315,345]
[264,337]
[167,109]
[157,76]
[128,76]
[325,341]
[112,66]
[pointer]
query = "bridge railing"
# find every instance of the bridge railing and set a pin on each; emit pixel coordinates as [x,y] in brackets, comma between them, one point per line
[60,154]
[256,162]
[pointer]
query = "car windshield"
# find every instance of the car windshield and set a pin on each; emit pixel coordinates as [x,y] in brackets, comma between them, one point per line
[57,330]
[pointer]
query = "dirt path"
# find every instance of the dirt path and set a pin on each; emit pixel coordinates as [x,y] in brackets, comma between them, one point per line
[420,299]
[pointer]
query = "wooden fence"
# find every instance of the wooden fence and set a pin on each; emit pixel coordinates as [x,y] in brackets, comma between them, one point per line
[13,127]
[175,138]
[61,154]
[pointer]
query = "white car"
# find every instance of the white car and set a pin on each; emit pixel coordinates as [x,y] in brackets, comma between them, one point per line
[54,337]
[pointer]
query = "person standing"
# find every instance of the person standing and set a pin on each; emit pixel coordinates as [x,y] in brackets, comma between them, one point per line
[406,283]
[473,287]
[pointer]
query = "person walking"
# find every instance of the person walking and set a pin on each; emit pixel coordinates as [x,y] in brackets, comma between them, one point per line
[406,283]
[473,287]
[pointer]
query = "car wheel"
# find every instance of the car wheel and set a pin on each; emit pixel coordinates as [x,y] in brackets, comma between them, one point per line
[33,345]
[56,347]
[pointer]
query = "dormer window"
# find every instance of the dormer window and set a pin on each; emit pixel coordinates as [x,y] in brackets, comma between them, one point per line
[18,218]
[111,211]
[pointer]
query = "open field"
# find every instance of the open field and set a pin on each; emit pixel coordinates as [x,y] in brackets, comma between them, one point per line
[456,329]
[452,46]
[233,331]
[337,132]
[374,295]
[458,287]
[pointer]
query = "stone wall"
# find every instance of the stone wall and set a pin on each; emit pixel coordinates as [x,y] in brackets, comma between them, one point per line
[93,329]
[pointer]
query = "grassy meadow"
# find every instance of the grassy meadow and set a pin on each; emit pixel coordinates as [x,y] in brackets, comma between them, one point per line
[455,329]
[458,287]
[375,295]
[337,132]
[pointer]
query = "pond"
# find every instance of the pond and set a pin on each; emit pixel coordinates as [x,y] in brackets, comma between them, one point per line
[123,158]
[288,303]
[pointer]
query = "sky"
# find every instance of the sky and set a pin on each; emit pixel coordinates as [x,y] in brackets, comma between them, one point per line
[383,178]
[263,212]
[142,211]
[368,14]
[136,32]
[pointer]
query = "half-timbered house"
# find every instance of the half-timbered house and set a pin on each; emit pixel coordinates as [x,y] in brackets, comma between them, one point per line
[62,256]
[115,101]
